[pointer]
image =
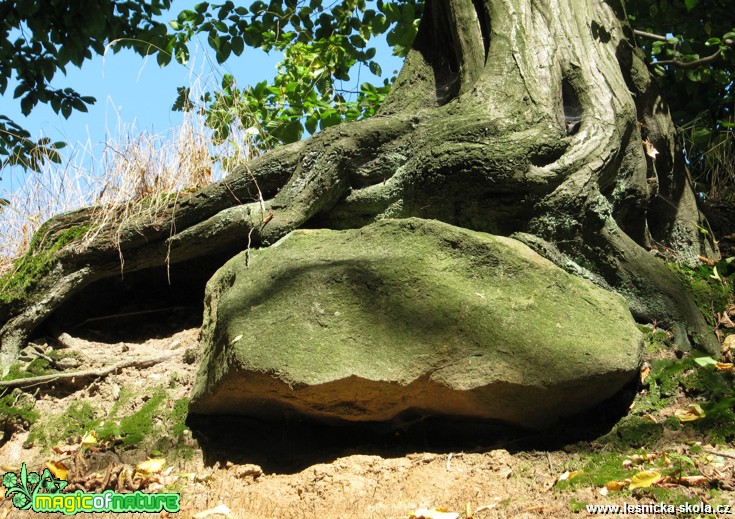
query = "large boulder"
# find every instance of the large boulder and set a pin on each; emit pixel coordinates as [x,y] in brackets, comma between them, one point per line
[405,317]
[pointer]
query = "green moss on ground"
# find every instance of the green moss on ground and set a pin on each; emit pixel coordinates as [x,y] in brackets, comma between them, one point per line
[17,412]
[156,425]
[672,383]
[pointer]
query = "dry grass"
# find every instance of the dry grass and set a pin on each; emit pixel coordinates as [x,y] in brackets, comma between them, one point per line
[135,176]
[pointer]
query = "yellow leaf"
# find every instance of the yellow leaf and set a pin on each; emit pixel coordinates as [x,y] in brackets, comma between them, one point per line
[691,414]
[616,485]
[436,513]
[575,473]
[724,366]
[644,479]
[58,469]
[90,438]
[150,466]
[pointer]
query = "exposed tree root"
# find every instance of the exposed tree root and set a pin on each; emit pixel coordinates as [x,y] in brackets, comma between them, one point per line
[88,373]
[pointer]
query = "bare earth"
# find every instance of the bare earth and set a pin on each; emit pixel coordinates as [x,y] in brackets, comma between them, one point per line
[369,482]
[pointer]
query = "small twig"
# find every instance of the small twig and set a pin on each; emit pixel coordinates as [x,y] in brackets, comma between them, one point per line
[264,218]
[99,372]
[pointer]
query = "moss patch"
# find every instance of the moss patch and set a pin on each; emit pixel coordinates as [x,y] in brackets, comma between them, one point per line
[36,263]
[157,423]
[16,412]
[704,286]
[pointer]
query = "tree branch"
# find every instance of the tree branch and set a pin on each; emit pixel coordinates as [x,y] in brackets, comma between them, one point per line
[691,64]
[650,35]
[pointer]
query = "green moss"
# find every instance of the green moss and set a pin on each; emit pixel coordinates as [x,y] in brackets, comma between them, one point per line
[37,262]
[719,422]
[598,469]
[133,429]
[577,506]
[79,418]
[707,291]
[16,411]
[159,424]
[633,432]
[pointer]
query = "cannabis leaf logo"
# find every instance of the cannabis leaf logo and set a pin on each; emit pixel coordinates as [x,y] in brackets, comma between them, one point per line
[23,489]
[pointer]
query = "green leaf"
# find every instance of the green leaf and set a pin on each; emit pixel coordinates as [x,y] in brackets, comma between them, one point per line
[238,45]
[690,4]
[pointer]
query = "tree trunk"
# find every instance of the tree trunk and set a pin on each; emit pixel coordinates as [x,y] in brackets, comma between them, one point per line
[513,117]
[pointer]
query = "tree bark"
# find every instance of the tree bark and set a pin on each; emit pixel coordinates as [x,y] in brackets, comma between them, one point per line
[513,117]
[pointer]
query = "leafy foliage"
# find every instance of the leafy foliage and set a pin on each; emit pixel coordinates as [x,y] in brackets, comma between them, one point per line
[691,45]
[688,42]
[39,38]
[321,45]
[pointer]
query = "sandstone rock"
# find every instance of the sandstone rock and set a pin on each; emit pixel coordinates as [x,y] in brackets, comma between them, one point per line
[409,316]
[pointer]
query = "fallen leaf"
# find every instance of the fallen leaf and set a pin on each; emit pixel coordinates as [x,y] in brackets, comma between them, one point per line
[219,509]
[436,513]
[58,469]
[651,151]
[151,466]
[236,339]
[724,366]
[724,320]
[645,372]
[705,361]
[616,485]
[570,475]
[638,459]
[89,439]
[644,479]
[691,414]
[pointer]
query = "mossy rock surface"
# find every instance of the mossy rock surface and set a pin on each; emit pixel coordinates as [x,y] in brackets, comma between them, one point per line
[409,317]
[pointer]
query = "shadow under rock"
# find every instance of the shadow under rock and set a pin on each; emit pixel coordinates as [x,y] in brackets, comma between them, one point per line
[291,445]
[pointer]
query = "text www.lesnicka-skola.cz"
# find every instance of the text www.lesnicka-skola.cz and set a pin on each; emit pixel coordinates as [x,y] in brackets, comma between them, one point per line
[660,508]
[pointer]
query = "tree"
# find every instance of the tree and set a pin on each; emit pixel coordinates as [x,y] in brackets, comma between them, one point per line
[38,39]
[536,119]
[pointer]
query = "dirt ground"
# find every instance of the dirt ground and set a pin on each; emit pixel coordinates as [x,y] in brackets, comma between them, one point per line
[251,470]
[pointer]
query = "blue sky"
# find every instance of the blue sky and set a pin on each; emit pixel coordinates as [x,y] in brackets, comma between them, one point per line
[133,91]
